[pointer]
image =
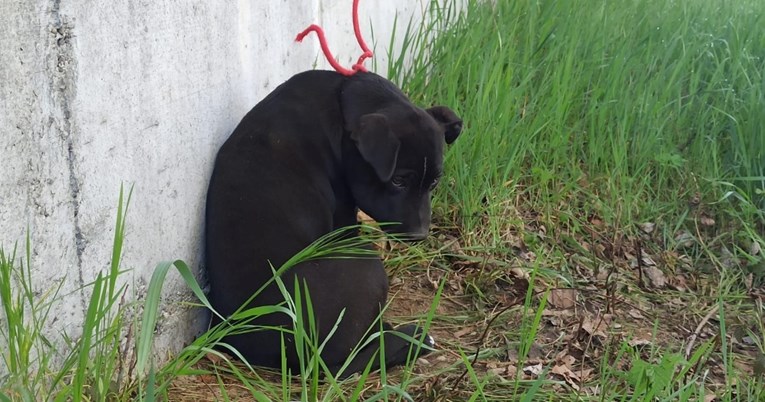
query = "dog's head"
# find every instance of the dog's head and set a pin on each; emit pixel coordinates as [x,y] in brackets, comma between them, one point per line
[394,153]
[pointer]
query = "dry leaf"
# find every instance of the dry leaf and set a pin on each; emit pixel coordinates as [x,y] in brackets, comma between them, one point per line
[597,222]
[596,326]
[602,274]
[534,369]
[727,259]
[569,376]
[755,248]
[535,353]
[572,377]
[463,332]
[568,360]
[645,261]
[454,246]
[639,342]
[214,358]
[562,298]
[647,227]
[678,283]
[362,217]
[528,256]
[519,273]
[706,221]
[655,276]
[684,238]
[507,370]
[648,261]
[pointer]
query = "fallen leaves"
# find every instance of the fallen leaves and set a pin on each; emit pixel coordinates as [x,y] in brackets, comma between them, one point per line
[596,326]
[647,227]
[562,298]
[655,276]
[534,369]
[572,377]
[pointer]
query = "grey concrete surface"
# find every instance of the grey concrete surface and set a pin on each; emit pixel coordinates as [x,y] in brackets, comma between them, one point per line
[97,94]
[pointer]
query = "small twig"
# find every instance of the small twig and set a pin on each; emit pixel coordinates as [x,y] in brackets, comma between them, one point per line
[697,332]
[639,249]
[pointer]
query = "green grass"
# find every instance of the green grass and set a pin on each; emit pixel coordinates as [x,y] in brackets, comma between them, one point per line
[583,121]
[641,104]
[602,138]
[93,365]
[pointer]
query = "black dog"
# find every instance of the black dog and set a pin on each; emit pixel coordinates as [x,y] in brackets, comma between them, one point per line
[297,167]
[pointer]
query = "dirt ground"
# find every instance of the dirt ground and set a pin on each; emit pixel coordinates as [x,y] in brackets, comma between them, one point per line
[617,292]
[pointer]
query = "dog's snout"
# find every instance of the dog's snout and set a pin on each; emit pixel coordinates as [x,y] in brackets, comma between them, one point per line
[409,234]
[417,236]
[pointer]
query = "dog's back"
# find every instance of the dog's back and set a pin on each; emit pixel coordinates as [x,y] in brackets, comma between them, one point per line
[266,173]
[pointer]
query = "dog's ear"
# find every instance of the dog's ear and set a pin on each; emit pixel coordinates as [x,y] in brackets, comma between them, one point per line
[449,120]
[377,144]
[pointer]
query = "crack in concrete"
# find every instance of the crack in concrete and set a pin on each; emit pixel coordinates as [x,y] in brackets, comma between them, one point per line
[63,91]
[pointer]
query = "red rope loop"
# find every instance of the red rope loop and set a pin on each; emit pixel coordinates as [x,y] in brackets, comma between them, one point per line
[359,66]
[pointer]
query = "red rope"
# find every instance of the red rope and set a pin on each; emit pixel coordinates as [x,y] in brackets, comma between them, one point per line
[359,66]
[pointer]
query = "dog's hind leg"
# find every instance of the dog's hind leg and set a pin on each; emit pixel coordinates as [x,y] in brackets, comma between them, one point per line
[397,347]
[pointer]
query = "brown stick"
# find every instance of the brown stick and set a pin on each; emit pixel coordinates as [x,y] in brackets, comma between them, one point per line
[697,332]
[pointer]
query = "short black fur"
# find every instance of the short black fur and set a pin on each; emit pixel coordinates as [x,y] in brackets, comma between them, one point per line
[299,165]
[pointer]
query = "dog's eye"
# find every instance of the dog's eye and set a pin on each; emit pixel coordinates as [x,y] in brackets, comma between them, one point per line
[399,181]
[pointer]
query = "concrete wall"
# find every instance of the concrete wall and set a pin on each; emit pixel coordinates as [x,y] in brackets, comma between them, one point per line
[95,94]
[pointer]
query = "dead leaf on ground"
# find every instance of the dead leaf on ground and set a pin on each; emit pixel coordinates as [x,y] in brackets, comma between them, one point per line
[727,259]
[644,260]
[679,283]
[684,238]
[534,369]
[519,273]
[528,256]
[755,248]
[647,227]
[564,358]
[505,370]
[464,331]
[597,222]
[562,298]
[214,358]
[706,221]
[639,342]
[572,377]
[596,326]
[655,276]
